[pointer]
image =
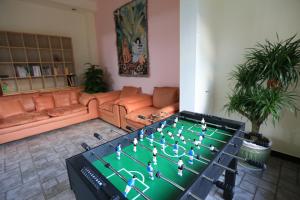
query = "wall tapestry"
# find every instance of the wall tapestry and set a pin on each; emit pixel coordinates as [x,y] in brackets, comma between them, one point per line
[132,38]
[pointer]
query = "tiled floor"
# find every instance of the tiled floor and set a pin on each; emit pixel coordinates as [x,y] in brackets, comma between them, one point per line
[34,168]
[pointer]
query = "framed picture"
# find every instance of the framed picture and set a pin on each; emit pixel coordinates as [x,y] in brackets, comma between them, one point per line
[132,38]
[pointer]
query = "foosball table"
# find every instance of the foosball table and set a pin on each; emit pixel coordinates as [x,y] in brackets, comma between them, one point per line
[180,157]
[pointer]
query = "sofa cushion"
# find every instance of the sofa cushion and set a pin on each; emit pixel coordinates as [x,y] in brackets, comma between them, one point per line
[27,101]
[128,91]
[43,102]
[74,96]
[61,111]
[146,112]
[10,107]
[164,96]
[62,99]
[108,106]
[23,118]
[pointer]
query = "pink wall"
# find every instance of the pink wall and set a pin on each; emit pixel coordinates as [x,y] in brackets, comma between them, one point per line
[163,41]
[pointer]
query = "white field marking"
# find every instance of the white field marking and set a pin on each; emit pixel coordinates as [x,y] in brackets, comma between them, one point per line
[129,172]
[173,156]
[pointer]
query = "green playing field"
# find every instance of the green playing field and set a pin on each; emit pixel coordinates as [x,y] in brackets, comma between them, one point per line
[158,188]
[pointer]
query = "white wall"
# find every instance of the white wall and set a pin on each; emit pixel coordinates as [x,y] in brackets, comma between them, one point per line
[23,16]
[235,25]
[197,47]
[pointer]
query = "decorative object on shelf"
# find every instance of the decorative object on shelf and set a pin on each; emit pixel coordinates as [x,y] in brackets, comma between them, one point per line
[71,79]
[94,79]
[132,38]
[265,85]
[4,88]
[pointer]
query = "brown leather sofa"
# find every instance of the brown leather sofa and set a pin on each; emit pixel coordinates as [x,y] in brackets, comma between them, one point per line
[108,103]
[24,115]
[163,103]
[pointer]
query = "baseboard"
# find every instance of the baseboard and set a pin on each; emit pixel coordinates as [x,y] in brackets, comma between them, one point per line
[285,156]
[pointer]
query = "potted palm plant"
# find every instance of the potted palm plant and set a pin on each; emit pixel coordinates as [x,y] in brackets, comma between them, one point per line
[94,81]
[265,85]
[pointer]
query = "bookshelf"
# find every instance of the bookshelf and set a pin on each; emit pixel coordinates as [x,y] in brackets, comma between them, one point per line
[30,62]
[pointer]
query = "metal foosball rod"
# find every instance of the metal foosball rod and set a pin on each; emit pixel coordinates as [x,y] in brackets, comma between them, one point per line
[106,164]
[161,155]
[158,174]
[226,127]
[215,163]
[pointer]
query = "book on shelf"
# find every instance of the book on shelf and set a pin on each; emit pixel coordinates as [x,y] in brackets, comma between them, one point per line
[47,71]
[36,70]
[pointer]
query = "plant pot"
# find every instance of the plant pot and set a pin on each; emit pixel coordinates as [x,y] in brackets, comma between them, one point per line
[254,152]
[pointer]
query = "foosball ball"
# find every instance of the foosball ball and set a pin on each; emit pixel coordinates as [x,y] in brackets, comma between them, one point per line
[180,157]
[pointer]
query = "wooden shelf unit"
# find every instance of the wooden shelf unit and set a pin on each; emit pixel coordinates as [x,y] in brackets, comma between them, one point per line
[31,62]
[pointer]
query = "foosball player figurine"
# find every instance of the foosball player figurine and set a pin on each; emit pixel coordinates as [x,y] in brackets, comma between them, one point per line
[135,142]
[118,151]
[180,166]
[197,144]
[151,136]
[191,155]
[154,155]
[141,134]
[163,142]
[129,185]
[204,128]
[171,135]
[182,138]
[201,137]
[163,124]
[202,121]
[159,130]
[150,171]
[212,148]
[176,120]
[174,125]
[179,131]
[176,148]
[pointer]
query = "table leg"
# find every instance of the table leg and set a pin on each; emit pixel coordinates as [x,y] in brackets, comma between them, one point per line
[230,180]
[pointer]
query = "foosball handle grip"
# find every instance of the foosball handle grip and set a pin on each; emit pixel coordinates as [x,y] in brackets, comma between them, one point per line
[130,128]
[98,136]
[85,146]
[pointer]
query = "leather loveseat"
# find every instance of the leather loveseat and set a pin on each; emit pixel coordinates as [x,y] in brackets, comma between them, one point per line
[108,103]
[163,103]
[24,115]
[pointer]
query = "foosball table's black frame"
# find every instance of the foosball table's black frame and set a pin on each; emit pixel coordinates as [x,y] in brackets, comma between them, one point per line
[198,189]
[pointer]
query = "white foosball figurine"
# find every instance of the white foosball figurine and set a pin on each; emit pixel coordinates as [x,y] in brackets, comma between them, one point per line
[180,131]
[129,185]
[151,136]
[135,142]
[154,155]
[197,143]
[171,135]
[182,138]
[174,125]
[203,121]
[176,120]
[180,166]
[212,148]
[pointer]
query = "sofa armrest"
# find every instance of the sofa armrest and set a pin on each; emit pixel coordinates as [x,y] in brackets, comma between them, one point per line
[168,110]
[107,96]
[92,108]
[137,104]
[85,98]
